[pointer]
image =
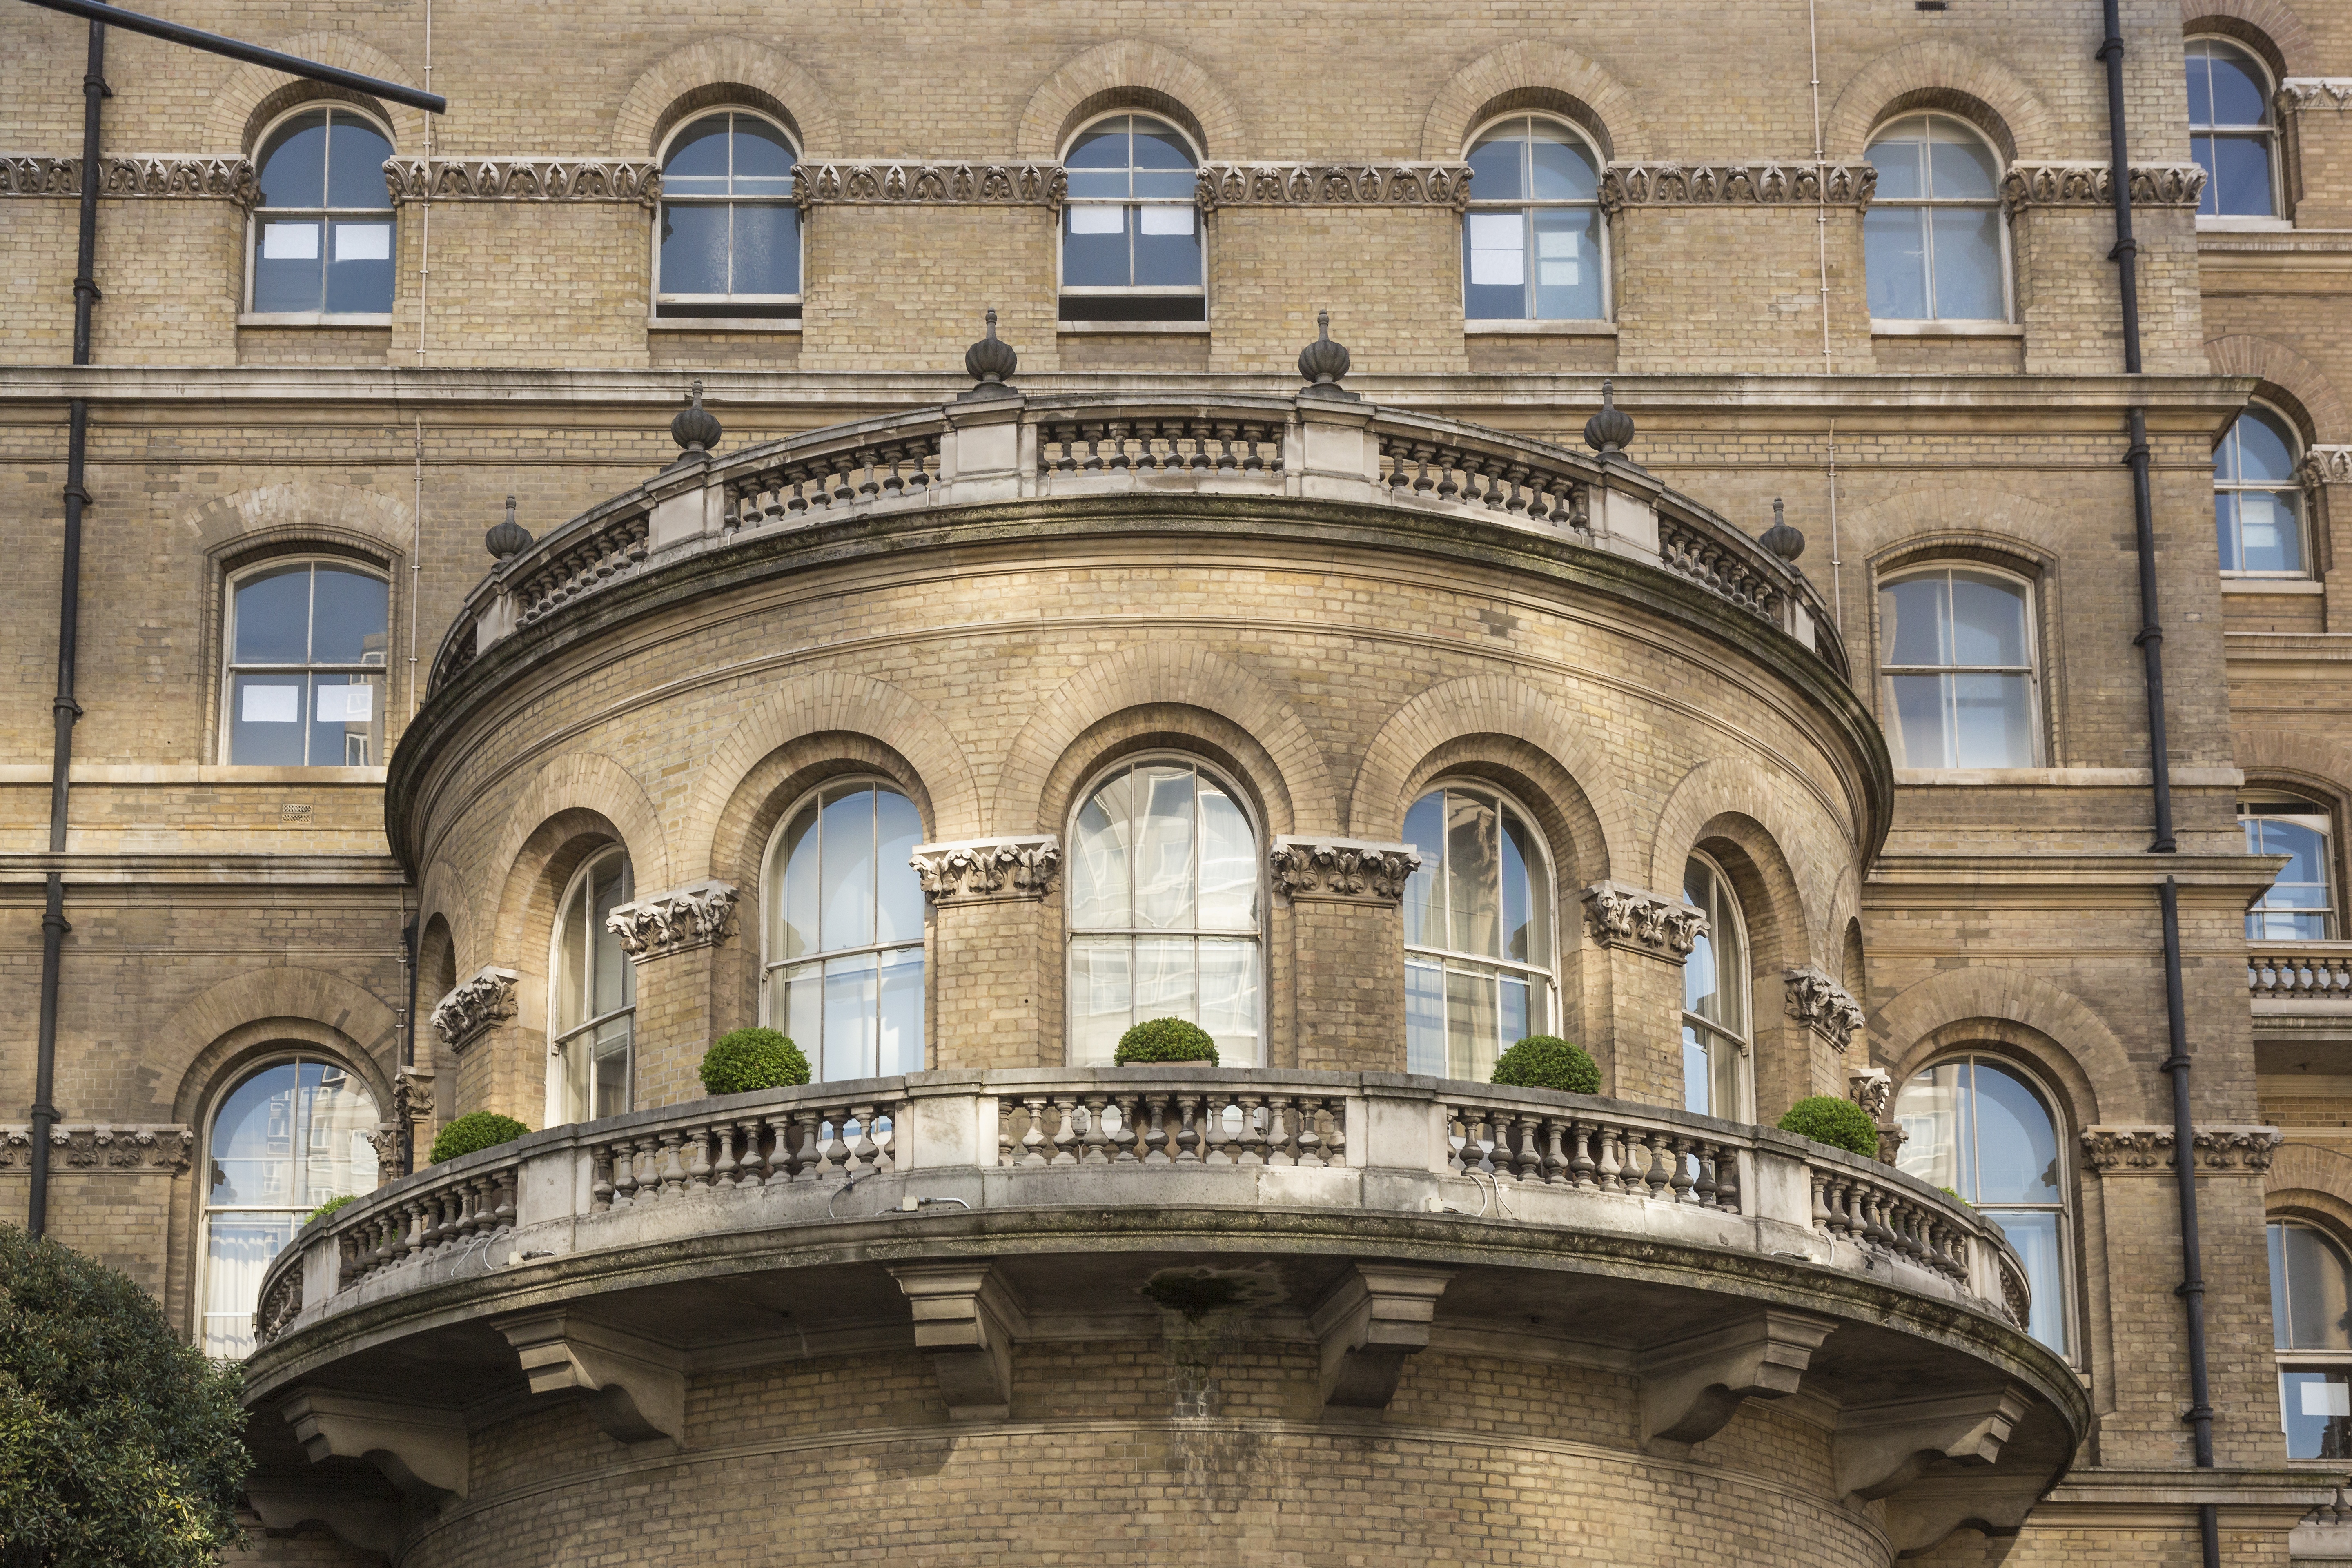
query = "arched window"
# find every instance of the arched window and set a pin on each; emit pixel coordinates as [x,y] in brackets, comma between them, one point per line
[1163,910]
[1934,244]
[1478,974]
[1716,1074]
[1532,239]
[2257,501]
[1131,236]
[2300,906]
[844,932]
[289,1137]
[1981,1128]
[307,644]
[593,1017]
[1957,669]
[2311,1326]
[2229,130]
[322,227]
[730,237]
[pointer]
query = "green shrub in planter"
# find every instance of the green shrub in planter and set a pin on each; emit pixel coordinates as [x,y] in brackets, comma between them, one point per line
[744,1059]
[330,1206]
[1165,1040]
[1547,1062]
[474,1131]
[1840,1124]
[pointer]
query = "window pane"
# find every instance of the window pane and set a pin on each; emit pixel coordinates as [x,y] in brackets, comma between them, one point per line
[1101,998]
[1988,621]
[2034,1234]
[1967,264]
[1167,248]
[237,1254]
[1928,1112]
[850,1018]
[2016,1147]
[265,724]
[1499,165]
[2238,94]
[796,1006]
[2280,1310]
[611,977]
[1915,615]
[1568,264]
[1102,147]
[352,610]
[290,266]
[1918,701]
[1527,895]
[1699,985]
[1229,999]
[346,720]
[1698,1080]
[2315,1301]
[339,1123]
[1900,158]
[1099,876]
[2265,449]
[2306,844]
[1163,857]
[1164,982]
[1961,168]
[1425,1018]
[356,152]
[1474,874]
[1425,907]
[1895,258]
[2225,530]
[902,1013]
[294,168]
[764,158]
[2209,204]
[1228,864]
[899,902]
[608,1069]
[253,1141]
[2316,1405]
[847,871]
[796,911]
[1513,997]
[697,159]
[1726,1058]
[359,278]
[1095,247]
[1495,264]
[273,611]
[2270,538]
[1561,166]
[1163,162]
[571,963]
[767,254]
[693,249]
[1470,1025]
[2242,170]
[1991,723]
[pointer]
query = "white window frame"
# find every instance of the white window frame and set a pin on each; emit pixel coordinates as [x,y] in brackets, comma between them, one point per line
[2292,486]
[1064,291]
[1446,958]
[1898,326]
[2267,804]
[1708,1030]
[558,1113]
[2292,1361]
[1528,205]
[2266,129]
[2032,669]
[788,306]
[255,216]
[230,669]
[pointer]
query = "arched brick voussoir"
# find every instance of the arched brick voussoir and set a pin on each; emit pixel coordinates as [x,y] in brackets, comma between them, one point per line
[1734,786]
[2282,367]
[576,781]
[820,702]
[1183,674]
[1942,509]
[2306,1168]
[1494,705]
[716,61]
[443,893]
[2279,756]
[2098,1065]
[339,1009]
[1131,64]
[304,505]
[1938,65]
[2272,18]
[1531,65]
[230,119]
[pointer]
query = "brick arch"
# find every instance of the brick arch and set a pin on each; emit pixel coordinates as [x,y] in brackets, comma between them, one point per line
[443,891]
[2269,26]
[1592,804]
[1155,77]
[721,61]
[235,1018]
[1964,512]
[253,95]
[2305,386]
[2312,1182]
[575,782]
[2051,1028]
[1727,789]
[1939,73]
[2289,756]
[303,506]
[1531,66]
[1171,674]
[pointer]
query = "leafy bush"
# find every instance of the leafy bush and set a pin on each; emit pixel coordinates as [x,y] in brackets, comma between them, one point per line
[119,1445]
[1547,1062]
[745,1060]
[1165,1040]
[1840,1124]
[475,1130]
[330,1206]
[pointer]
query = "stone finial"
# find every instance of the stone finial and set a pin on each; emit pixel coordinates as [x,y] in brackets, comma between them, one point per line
[991,363]
[695,428]
[1781,539]
[1610,431]
[1323,362]
[508,539]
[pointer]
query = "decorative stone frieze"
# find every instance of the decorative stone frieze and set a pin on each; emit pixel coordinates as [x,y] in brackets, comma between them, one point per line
[1820,1003]
[700,914]
[1659,924]
[2070,182]
[2326,465]
[1343,869]
[2298,93]
[230,179]
[977,869]
[930,184]
[522,180]
[473,1006]
[1657,185]
[1333,186]
[99,1146]
[2147,1150]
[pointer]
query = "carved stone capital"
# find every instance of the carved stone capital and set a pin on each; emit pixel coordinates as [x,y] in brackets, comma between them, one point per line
[700,914]
[1375,1320]
[1691,1387]
[411,1095]
[825,182]
[637,1388]
[1348,870]
[2326,465]
[1659,924]
[1771,184]
[522,180]
[473,1006]
[2298,93]
[976,870]
[229,178]
[2087,183]
[1821,1004]
[1881,1448]
[967,1318]
[1444,185]
[422,1449]
[2147,1150]
[99,1146]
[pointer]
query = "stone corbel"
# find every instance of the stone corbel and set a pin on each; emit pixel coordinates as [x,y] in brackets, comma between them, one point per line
[2298,93]
[2324,466]
[1824,1006]
[368,1520]
[637,1388]
[1879,1449]
[700,914]
[1927,1513]
[2147,1150]
[978,870]
[1346,870]
[1658,924]
[473,1006]
[1691,1388]
[1372,1322]
[967,1318]
[422,1449]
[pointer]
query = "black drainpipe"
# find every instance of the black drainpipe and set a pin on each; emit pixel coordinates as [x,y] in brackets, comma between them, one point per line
[2191,1289]
[66,710]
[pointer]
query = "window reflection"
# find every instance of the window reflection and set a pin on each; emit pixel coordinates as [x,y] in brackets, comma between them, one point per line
[1531,240]
[1716,1073]
[1478,932]
[2311,1329]
[2300,903]
[307,645]
[1932,239]
[2257,500]
[595,994]
[845,970]
[1957,670]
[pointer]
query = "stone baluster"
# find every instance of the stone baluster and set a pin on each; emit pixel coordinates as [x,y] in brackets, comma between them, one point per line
[1096,1144]
[698,1165]
[1279,1112]
[722,1169]
[865,1155]
[1310,1138]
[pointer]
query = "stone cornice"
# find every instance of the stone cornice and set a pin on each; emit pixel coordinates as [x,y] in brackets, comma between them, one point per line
[2298,93]
[827,183]
[1768,183]
[196,177]
[1659,924]
[2072,183]
[976,870]
[521,180]
[475,1005]
[97,1146]
[2326,465]
[1817,1001]
[2147,1150]
[1349,871]
[700,914]
[1333,186]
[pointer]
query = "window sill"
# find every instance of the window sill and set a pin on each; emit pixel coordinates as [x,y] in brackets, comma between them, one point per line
[722,324]
[1177,329]
[1507,329]
[2244,224]
[1946,330]
[311,319]
[2272,585]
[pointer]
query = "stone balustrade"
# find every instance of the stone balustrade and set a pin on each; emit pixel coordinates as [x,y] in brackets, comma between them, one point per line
[2300,972]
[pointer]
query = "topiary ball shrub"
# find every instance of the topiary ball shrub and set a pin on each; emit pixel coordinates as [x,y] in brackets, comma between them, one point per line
[475,1130]
[330,1206]
[1840,1124]
[744,1059]
[1547,1062]
[119,1444]
[1165,1040]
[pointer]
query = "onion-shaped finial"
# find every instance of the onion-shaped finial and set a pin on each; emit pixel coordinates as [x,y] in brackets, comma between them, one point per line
[1781,539]
[991,363]
[1610,431]
[695,428]
[507,539]
[1323,362]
